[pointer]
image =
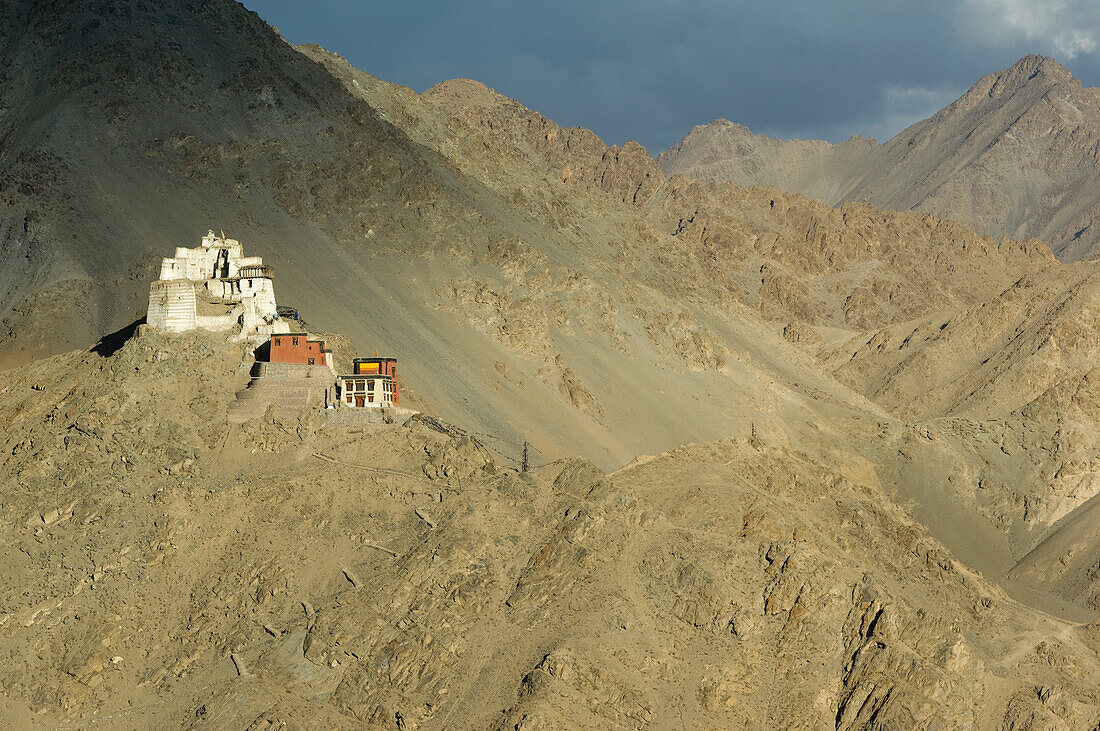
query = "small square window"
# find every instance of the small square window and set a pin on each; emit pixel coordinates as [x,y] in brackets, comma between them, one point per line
[278,341]
[311,361]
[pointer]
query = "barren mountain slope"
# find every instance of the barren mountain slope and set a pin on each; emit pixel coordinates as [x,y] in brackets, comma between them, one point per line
[1008,397]
[1017,155]
[1065,562]
[516,268]
[290,572]
[786,257]
[160,568]
[1021,350]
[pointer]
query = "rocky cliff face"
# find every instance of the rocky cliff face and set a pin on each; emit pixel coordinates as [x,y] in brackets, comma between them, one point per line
[1017,155]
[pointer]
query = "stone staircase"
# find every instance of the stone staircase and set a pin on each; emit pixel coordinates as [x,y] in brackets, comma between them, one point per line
[291,388]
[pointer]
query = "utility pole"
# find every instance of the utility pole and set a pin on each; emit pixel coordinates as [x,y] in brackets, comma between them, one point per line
[526,463]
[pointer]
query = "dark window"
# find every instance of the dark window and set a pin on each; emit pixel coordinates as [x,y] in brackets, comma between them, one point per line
[278,341]
[295,341]
[311,361]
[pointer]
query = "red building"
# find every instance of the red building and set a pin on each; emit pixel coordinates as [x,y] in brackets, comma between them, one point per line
[298,348]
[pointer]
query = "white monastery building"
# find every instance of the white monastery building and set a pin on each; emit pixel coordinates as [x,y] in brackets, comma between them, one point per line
[213,287]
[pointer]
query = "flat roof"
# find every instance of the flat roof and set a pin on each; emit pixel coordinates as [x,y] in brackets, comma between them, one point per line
[299,335]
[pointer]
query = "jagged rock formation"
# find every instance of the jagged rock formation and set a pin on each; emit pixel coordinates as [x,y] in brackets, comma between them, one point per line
[1017,155]
[779,253]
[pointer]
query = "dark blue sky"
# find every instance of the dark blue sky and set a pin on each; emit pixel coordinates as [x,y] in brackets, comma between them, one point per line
[649,70]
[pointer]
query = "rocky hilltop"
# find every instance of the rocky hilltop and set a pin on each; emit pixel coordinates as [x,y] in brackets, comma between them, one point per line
[1017,155]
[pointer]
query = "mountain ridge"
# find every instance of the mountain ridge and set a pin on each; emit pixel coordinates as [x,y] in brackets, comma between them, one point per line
[1017,154]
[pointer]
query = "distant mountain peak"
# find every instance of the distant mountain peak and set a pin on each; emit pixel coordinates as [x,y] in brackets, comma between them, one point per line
[1028,71]
[460,93]
[1034,64]
[722,125]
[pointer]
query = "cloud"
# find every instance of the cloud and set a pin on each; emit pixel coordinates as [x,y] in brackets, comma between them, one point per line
[652,69]
[904,105]
[1067,28]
